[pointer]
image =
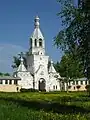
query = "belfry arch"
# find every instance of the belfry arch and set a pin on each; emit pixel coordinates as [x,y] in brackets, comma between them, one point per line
[40,42]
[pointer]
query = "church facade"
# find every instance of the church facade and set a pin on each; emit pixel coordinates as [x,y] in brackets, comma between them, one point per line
[38,75]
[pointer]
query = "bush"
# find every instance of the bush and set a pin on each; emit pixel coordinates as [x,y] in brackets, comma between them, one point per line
[88,89]
[28,90]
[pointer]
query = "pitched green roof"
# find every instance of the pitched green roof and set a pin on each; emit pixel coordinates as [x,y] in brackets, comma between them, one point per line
[9,78]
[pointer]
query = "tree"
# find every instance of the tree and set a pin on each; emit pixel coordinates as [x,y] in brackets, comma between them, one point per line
[16,60]
[69,67]
[76,33]
[4,74]
[1,74]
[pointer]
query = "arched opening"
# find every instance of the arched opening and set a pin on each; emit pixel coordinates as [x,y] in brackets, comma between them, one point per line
[17,89]
[40,42]
[42,84]
[35,42]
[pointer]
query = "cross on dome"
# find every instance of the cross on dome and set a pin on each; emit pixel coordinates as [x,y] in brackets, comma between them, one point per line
[21,57]
[51,61]
[37,45]
[36,22]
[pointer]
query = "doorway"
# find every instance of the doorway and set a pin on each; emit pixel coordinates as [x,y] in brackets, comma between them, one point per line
[42,84]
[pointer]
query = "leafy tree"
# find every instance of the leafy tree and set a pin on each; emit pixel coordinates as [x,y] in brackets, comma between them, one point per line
[1,74]
[69,67]
[4,74]
[76,33]
[16,60]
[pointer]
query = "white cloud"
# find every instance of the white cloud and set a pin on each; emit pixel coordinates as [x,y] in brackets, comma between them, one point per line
[7,51]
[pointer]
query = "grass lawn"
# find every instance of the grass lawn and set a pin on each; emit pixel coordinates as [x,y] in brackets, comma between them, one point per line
[45,106]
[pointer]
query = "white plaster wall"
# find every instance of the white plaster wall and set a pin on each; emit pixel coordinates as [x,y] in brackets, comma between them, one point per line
[26,80]
[40,60]
[38,50]
[41,73]
[53,82]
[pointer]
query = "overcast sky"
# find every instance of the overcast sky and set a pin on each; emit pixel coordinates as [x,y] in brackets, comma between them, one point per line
[17,24]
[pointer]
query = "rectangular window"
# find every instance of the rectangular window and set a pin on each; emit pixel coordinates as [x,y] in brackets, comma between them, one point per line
[6,81]
[15,82]
[10,81]
[73,82]
[76,82]
[81,82]
[1,82]
[56,87]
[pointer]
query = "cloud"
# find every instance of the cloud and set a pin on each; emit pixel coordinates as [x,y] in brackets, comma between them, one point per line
[7,51]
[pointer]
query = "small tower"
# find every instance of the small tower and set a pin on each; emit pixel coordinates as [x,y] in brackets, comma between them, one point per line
[37,45]
[51,68]
[21,67]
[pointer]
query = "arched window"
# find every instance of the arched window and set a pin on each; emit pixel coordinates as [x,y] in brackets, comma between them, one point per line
[35,42]
[54,87]
[40,42]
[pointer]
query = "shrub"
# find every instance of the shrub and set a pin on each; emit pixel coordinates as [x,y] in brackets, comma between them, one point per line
[88,89]
[28,90]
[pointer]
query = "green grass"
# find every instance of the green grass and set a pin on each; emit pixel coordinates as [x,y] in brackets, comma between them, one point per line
[45,106]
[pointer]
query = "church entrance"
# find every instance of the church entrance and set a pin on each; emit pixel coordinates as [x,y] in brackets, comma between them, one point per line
[42,85]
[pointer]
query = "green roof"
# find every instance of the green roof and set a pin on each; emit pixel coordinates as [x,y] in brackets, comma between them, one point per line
[9,78]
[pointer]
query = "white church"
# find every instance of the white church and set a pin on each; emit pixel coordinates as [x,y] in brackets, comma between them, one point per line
[37,75]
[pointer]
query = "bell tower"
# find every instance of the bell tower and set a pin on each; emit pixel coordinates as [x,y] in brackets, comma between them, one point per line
[37,44]
[37,61]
